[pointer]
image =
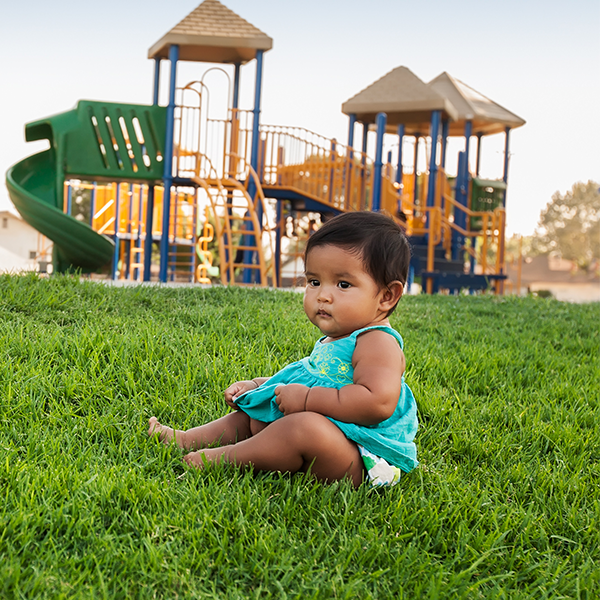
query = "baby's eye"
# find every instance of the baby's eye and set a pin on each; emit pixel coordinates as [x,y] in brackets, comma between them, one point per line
[313,282]
[344,285]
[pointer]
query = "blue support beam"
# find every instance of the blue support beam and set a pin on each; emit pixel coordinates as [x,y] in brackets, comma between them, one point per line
[445,129]
[256,112]
[115,263]
[150,199]
[69,200]
[168,171]
[93,204]
[415,160]
[399,169]
[349,159]
[236,86]
[148,240]
[279,232]
[436,117]
[468,133]
[253,275]
[381,121]
[352,122]
[478,156]
[332,159]
[156,81]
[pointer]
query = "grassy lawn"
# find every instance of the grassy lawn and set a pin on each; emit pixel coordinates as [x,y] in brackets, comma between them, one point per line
[505,503]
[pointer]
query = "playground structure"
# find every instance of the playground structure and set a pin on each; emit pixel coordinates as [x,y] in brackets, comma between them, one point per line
[122,180]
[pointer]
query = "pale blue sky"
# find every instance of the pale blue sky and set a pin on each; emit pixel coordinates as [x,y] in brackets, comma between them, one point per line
[539,59]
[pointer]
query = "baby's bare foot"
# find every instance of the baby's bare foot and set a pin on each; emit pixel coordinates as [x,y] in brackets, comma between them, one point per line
[165,434]
[194,459]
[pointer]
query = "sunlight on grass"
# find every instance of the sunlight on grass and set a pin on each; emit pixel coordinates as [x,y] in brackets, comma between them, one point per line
[505,503]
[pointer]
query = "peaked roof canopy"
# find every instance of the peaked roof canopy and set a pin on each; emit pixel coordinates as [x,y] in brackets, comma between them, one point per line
[487,116]
[213,33]
[403,97]
[409,101]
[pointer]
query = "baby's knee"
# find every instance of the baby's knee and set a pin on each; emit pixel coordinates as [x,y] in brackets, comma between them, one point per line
[309,424]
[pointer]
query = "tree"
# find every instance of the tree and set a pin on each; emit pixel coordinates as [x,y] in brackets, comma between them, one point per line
[570,225]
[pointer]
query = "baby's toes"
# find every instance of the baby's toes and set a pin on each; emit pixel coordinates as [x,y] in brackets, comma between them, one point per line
[155,426]
[194,459]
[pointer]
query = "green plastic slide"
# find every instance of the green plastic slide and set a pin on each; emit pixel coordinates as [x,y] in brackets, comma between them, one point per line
[97,141]
[31,184]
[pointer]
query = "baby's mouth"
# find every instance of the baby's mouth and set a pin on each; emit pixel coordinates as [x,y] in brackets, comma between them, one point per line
[323,313]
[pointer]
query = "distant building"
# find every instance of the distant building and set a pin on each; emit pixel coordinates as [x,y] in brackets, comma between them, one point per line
[22,248]
[559,277]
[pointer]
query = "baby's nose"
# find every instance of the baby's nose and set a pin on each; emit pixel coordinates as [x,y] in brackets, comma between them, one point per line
[324,295]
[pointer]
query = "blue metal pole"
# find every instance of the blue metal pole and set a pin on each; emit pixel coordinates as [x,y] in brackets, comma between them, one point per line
[256,111]
[332,159]
[69,199]
[436,117]
[381,121]
[349,161]
[445,128]
[478,157]
[248,239]
[129,232]
[468,130]
[399,172]
[506,159]
[362,201]
[93,204]
[150,197]
[156,80]
[236,86]
[115,265]
[463,189]
[351,124]
[254,156]
[168,172]
[148,240]
[460,195]
[279,230]
[416,158]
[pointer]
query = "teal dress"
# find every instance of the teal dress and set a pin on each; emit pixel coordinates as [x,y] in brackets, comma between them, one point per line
[330,365]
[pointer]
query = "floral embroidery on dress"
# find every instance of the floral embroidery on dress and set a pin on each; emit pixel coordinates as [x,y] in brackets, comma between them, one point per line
[323,363]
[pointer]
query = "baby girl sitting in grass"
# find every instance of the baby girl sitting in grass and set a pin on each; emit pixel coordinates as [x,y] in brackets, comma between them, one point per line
[345,411]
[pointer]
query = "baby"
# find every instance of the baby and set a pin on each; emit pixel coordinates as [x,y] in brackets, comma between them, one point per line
[345,411]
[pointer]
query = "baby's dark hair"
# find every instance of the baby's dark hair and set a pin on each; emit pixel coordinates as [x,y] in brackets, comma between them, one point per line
[377,238]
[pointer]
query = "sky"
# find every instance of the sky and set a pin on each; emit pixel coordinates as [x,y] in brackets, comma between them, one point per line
[538,59]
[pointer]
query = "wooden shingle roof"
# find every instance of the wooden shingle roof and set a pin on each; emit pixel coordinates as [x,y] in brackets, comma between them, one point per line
[487,116]
[213,33]
[403,97]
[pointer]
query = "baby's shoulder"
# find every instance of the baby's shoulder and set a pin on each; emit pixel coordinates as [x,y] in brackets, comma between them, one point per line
[380,332]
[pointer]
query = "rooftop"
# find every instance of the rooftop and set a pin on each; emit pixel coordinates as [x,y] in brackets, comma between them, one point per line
[213,33]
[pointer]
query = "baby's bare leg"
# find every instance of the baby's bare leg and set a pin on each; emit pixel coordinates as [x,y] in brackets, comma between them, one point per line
[298,442]
[229,429]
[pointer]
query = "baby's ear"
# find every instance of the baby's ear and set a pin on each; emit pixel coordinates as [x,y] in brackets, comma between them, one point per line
[391,295]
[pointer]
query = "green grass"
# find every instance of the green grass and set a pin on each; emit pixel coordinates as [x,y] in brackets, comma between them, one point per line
[505,503]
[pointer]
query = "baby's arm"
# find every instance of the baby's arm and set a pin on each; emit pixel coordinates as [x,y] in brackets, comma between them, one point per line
[240,387]
[378,365]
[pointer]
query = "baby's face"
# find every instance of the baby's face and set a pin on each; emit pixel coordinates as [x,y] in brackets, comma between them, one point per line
[340,295]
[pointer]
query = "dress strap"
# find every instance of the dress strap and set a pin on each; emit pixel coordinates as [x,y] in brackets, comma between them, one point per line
[385,328]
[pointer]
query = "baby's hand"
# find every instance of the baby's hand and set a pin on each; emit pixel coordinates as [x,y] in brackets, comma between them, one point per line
[290,398]
[235,390]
